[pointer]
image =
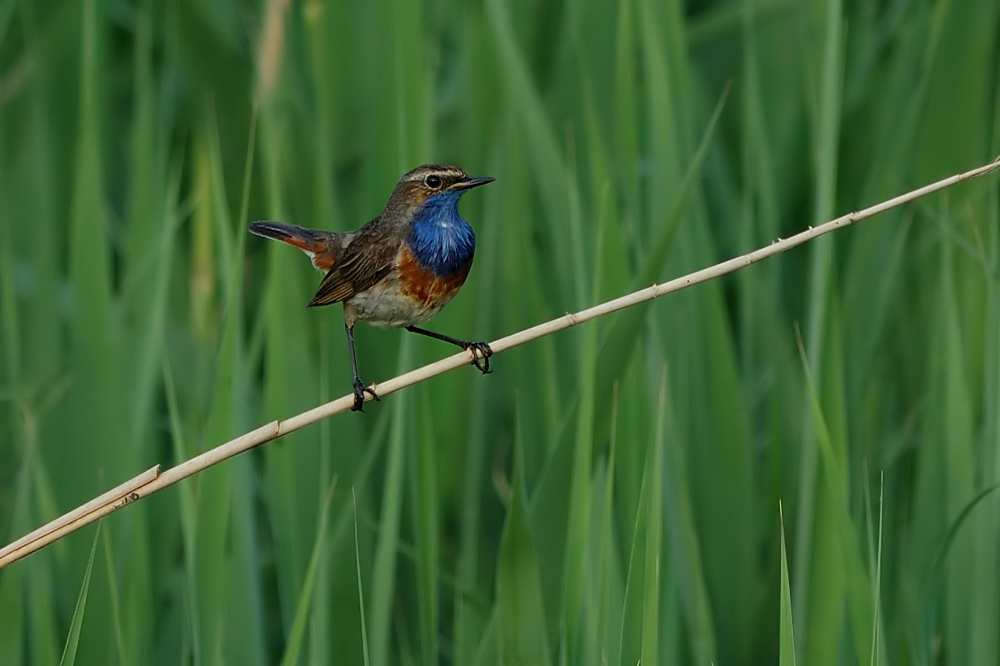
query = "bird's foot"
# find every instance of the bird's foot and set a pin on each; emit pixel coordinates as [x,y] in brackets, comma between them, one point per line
[359,395]
[481,353]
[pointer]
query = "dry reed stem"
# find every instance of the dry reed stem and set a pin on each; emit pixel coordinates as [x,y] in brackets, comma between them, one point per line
[149,482]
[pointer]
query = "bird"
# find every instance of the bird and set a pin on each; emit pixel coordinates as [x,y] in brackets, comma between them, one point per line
[399,269]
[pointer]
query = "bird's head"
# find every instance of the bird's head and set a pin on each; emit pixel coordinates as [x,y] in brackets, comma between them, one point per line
[438,184]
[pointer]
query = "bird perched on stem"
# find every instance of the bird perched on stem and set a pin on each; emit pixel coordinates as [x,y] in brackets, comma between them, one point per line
[401,268]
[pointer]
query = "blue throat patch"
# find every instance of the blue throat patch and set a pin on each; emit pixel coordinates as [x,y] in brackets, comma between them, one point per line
[441,240]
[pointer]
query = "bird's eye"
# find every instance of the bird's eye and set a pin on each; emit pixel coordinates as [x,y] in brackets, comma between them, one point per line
[432,181]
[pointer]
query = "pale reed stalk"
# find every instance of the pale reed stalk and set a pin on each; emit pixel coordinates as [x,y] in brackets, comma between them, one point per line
[151,481]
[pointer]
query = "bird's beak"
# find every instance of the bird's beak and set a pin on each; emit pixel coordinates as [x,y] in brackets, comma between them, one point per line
[470,183]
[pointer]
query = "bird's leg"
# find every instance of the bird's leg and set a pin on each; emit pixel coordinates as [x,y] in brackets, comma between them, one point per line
[359,386]
[481,351]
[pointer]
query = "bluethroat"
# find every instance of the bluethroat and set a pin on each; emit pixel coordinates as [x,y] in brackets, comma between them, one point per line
[401,268]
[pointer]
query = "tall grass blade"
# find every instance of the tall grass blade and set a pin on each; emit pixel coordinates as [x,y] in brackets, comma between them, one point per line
[522,636]
[787,642]
[76,623]
[302,611]
[361,590]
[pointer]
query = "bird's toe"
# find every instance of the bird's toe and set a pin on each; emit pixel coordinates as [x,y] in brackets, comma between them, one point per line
[481,353]
[359,395]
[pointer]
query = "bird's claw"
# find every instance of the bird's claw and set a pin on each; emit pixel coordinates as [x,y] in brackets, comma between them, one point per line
[481,353]
[359,395]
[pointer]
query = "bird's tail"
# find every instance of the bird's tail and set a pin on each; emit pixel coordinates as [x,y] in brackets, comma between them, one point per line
[323,247]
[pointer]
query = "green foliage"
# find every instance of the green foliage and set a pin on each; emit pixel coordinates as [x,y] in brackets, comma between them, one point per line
[69,651]
[786,655]
[609,494]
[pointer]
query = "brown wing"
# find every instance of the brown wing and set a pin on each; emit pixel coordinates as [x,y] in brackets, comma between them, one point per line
[365,261]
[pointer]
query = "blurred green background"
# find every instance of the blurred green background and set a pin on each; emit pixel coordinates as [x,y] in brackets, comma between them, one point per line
[610,494]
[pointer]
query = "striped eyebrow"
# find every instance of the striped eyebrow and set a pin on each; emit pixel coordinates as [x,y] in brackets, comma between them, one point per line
[443,170]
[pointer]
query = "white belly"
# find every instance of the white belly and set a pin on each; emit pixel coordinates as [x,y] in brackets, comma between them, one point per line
[385,306]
